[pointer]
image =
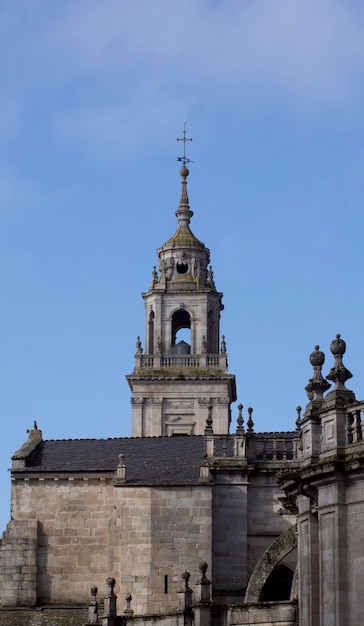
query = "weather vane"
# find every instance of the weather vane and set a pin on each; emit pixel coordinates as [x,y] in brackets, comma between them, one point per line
[184,160]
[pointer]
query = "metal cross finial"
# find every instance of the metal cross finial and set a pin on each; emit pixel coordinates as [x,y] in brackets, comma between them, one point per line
[184,160]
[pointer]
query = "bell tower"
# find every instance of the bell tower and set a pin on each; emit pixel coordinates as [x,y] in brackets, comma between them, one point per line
[178,383]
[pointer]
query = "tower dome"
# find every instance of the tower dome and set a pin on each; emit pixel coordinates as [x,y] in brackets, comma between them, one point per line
[184,257]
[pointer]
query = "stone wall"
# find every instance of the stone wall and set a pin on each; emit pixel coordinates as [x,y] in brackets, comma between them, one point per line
[265,521]
[18,571]
[72,547]
[279,614]
[72,531]
[330,524]
[82,530]
[44,617]
[74,517]
[229,561]
[161,538]
[283,614]
[354,546]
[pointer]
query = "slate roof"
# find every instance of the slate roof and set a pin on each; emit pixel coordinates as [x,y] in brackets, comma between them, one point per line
[148,460]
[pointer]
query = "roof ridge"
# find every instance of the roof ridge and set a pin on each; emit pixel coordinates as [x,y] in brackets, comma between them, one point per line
[116,438]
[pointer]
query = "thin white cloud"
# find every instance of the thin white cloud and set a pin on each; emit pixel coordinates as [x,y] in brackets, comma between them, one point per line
[124,127]
[309,47]
[20,196]
[103,73]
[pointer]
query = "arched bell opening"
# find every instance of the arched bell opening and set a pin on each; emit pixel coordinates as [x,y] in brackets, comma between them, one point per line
[181,332]
[151,333]
[278,585]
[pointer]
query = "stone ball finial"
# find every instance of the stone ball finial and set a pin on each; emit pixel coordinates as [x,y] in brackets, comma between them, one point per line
[317,358]
[203,569]
[202,566]
[111,582]
[338,346]
[250,422]
[184,172]
[186,577]
[298,420]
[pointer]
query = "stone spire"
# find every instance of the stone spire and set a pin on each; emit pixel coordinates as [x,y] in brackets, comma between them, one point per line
[184,237]
[309,426]
[339,374]
[184,213]
[317,385]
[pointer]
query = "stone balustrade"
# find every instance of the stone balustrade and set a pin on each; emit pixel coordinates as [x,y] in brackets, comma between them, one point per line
[157,362]
[355,424]
[275,447]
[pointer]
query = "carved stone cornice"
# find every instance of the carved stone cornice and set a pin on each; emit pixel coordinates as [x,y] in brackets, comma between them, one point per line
[135,400]
[204,401]
[156,401]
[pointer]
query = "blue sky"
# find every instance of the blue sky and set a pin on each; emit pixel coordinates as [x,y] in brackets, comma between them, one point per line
[92,98]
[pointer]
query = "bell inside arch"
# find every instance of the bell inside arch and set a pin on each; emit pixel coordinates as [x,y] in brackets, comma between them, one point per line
[181,348]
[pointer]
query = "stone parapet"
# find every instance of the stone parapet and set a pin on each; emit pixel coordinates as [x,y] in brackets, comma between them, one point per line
[279,614]
[264,614]
[71,616]
[156,361]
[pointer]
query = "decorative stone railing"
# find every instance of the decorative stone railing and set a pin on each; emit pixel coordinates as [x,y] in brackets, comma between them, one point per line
[276,447]
[272,447]
[158,362]
[355,424]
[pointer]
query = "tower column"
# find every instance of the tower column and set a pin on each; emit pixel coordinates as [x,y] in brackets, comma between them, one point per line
[156,426]
[137,416]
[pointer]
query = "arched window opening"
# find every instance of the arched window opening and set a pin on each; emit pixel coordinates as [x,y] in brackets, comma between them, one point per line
[181,332]
[184,334]
[278,585]
[151,333]
[182,267]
